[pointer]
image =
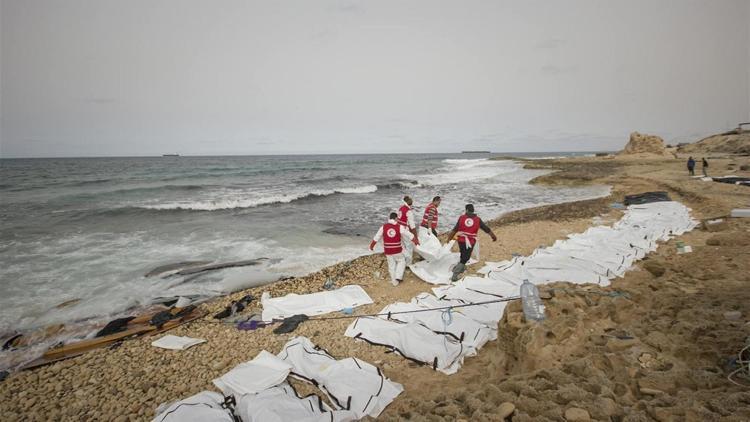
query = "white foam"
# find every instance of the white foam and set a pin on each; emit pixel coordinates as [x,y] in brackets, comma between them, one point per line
[233,203]
[465,170]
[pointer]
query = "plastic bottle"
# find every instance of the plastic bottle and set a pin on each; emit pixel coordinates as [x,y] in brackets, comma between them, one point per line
[533,309]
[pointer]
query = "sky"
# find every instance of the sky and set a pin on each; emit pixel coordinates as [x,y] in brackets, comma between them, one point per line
[146,77]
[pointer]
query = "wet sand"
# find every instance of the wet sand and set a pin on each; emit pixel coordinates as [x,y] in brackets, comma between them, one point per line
[653,346]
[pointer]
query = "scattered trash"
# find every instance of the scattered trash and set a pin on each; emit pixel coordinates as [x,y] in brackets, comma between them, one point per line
[163,317]
[172,342]
[250,325]
[290,324]
[251,322]
[682,248]
[183,302]
[347,311]
[617,205]
[646,198]
[235,307]
[329,284]
[533,309]
[715,225]
[115,326]
[739,212]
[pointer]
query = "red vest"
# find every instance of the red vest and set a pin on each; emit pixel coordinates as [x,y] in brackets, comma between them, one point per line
[468,227]
[402,215]
[391,239]
[426,221]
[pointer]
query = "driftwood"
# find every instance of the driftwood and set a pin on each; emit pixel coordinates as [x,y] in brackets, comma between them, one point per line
[170,268]
[195,267]
[219,266]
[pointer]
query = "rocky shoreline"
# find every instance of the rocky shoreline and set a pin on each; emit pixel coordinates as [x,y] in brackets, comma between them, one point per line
[604,356]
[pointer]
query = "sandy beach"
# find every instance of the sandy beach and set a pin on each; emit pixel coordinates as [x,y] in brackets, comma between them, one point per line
[655,345]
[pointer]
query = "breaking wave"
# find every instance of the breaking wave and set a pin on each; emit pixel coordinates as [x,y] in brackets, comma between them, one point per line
[226,204]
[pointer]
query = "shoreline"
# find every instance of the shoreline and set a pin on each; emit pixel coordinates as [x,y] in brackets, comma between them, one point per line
[134,378]
[140,311]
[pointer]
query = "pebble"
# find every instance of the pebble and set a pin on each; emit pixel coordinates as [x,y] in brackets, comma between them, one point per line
[576,414]
[650,391]
[506,409]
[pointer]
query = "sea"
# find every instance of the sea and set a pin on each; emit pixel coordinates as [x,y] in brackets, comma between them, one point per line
[78,235]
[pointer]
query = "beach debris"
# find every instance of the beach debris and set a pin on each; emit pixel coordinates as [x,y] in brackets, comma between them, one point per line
[12,341]
[235,307]
[168,269]
[114,326]
[137,326]
[329,284]
[312,304]
[733,180]
[67,303]
[172,342]
[533,308]
[617,205]
[252,323]
[740,213]
[647,198]
[219,266]
[290,324]
[715,225]
[196,267]
[161,318]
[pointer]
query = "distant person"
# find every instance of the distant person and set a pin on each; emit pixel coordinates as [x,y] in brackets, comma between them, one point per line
[392,233]
[467,228]
[691,166]
[430,218]
[705,167]
[406,219]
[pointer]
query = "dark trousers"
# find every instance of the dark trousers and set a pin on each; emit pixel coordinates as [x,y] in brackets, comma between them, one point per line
[465,252]
[692,171]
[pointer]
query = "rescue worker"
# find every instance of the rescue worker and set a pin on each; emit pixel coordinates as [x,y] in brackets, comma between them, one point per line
[392,234]
[406,219]
[467,228]
[430,218]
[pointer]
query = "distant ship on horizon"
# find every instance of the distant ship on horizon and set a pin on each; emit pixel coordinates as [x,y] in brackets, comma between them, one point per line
[476,152]
[170,155]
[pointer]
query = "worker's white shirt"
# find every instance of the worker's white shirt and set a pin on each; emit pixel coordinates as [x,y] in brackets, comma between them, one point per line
[410,217]
[404,232]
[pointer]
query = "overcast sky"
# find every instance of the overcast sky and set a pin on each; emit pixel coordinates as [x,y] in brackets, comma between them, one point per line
[98,78]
